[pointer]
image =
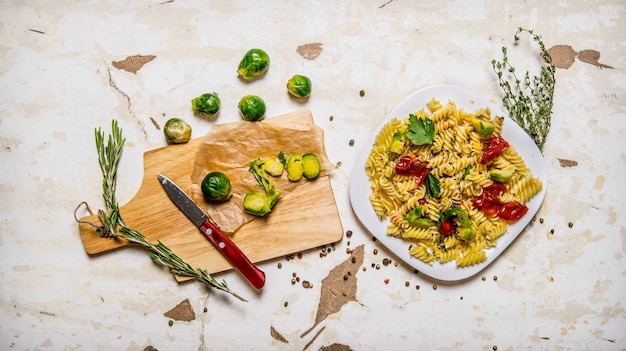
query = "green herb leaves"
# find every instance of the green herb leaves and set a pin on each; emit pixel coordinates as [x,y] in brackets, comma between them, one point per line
[421,131]
[528,101]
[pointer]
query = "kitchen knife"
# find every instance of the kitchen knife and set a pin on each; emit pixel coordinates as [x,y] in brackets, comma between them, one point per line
[222,243]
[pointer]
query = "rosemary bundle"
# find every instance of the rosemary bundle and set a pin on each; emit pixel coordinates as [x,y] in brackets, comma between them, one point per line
[528,101]
[113,225]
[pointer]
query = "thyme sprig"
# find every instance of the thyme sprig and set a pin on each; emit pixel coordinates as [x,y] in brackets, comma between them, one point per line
[528,101]
[113,225]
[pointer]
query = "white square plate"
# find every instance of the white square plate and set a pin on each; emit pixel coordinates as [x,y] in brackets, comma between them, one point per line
[360,190]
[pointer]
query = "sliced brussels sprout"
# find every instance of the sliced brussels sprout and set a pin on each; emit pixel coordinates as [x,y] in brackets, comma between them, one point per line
[299,86]
[273,166]
[295,168]
[254,63]
[177,131]
[397,142]
[311,166]
[483,126]
[256,203]
[216,186]
[251,108]
[207,104]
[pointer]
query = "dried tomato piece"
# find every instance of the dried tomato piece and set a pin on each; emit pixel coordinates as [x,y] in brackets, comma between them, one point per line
[493,148]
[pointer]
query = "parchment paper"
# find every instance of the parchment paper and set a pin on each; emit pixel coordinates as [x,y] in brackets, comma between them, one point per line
[229,148]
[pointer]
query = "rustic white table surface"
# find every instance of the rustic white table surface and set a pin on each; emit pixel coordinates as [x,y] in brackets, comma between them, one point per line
[557,287]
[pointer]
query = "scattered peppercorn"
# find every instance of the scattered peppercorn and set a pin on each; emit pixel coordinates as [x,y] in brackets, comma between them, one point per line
[345,277]
[541,220]
[495,348]
[353,259]
[417,287]
[306,284]
[299,255]
[570,224]
[286,303]
[484,278]
[170,323]
[331,118]
[387,281]
[280,265]
[386,261]
[349,233]
[205,309]
[293,281]
[377,266]
[551,231]
[461,298]
[495,278]
[364,268]
[362,93]
[351,142]
[294,274]
[434,286]
[407,284]
[375,251]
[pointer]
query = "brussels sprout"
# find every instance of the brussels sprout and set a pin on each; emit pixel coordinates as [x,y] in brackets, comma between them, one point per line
[299,86]
[216,186]
[397,142]
[311,166]
[207,104]
[251,108]
[502,175]
[254,63]
[483,126]
[260,203]
[295,168]
[273,166]
[256,203]
[177,131]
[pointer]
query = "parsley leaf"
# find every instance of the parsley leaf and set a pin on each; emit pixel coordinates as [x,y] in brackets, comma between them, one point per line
[421,131]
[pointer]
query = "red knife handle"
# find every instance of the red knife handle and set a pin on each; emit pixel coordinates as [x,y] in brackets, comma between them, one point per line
[233,254]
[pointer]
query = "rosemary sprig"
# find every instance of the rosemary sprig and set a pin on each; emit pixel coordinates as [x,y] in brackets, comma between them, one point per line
[528,101]
[113,225]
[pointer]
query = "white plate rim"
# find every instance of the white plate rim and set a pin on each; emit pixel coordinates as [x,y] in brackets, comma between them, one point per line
[359,185]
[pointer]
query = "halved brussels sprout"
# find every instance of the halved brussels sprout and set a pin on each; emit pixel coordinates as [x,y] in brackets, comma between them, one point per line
[177,131]
[254,63]
[207,104]
[251,108]
[257,203]
[295,168]
[216,186]
[311,166]
[299,86]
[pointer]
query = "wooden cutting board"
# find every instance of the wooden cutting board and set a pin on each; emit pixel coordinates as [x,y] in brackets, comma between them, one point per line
[304,218]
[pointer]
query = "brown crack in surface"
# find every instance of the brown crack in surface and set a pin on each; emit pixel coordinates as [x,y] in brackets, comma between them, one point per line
[563,56]
[591,57]
[182,312]
[339,287]
[567,163]
[336,347]
[277,336]
[310,51]
[134,63]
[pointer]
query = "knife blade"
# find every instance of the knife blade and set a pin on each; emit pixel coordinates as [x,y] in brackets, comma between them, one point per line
[222,243]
